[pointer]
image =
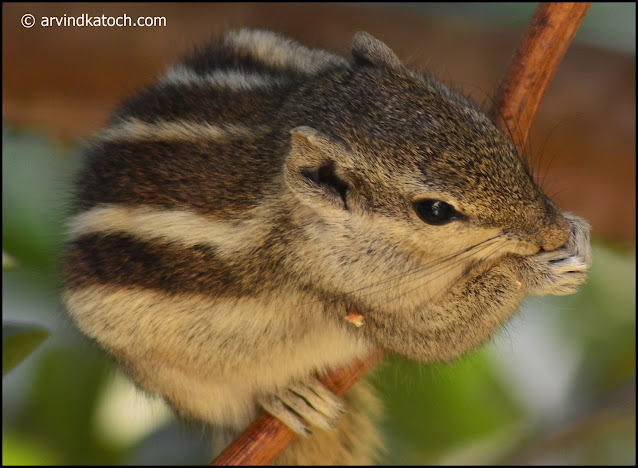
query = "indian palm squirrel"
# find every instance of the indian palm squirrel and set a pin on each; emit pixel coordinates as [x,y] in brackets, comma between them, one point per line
[231,215]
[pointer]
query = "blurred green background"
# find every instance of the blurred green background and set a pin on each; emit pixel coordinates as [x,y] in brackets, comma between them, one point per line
[556,385]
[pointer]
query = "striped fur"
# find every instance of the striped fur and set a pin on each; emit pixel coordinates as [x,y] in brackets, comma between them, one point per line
[142,172]
[180,227]
[223,105]
[134,129]
[281,53]
[230,79]
[230,215]
[124,261]
[264,52]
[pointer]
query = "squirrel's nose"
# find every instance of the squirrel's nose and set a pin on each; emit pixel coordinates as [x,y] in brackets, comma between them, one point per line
[556,234]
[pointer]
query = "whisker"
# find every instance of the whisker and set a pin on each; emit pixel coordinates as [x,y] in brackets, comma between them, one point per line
[421,271]
[459,278]
[466,273]
[446,268]
[420,268]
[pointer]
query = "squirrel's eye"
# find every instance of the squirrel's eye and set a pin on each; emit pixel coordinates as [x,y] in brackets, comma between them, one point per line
[435,212]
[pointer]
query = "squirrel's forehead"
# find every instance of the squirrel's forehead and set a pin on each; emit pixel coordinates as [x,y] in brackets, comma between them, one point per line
[474,178]
[464,168]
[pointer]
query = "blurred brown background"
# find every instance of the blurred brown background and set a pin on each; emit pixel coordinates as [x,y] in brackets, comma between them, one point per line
[66,80]
[557,386]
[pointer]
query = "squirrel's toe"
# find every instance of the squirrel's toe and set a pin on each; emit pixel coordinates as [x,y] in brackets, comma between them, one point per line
[303,404]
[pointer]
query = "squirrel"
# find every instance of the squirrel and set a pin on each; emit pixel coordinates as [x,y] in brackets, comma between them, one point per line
[233,217]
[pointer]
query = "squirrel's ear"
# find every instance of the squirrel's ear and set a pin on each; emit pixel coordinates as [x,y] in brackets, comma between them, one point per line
[312,169]
[368,50]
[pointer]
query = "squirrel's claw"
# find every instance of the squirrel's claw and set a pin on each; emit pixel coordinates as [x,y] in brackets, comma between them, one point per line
[304,404]
[560,271]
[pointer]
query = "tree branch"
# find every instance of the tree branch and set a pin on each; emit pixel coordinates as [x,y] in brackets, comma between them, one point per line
[532,67]
[267,437]
[522,88]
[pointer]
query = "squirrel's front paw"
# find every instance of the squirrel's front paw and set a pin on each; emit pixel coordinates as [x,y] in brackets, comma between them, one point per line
[304,404]
[560,271]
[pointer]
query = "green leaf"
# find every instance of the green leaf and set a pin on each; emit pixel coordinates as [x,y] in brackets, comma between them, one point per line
[8,262]
[20,449]
[18,341]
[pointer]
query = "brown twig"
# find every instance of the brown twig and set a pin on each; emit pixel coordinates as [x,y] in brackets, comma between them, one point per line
[267,437]
[533,65]
[523,85]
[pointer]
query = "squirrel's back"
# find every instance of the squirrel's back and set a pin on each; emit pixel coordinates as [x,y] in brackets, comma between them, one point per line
[207,119]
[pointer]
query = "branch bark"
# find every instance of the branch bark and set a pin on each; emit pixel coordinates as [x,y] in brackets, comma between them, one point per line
[544,42]
[267,437]
[516,103]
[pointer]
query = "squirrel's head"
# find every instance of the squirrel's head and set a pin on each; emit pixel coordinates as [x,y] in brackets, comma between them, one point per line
[381,140]
[412,177]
